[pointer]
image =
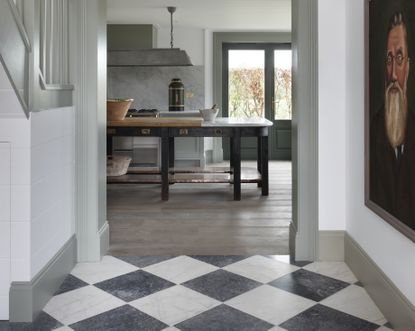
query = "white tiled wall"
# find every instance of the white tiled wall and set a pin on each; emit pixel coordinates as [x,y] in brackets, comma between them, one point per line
[52,183]
[40,194]
[15,129]
[5,181]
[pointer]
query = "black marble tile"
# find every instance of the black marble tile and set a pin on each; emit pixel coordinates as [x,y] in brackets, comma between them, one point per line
[42,323]
[70,283]
[301,263]
[220,260]
[309,284]
[144,261]
[322,318]
[134,285]
[122,318]
[221,285]
[359,284]
[224,318]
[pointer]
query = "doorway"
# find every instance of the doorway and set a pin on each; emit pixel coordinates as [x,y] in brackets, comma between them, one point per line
[257,81]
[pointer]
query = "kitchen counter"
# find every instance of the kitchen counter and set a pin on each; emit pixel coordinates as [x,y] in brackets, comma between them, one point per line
[170,128]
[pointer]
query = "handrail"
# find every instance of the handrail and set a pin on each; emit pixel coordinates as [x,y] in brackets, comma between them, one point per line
[15,48]
[20,25]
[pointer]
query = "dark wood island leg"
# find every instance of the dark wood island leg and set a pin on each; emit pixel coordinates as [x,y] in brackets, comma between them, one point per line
[164,164]
[259,158]
[236,157]
[264,165]
[109,144]
[171,152]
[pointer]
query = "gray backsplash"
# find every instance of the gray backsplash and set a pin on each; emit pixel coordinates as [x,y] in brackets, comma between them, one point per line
[148,86]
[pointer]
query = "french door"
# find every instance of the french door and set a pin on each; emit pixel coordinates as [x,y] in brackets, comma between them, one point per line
[257,83]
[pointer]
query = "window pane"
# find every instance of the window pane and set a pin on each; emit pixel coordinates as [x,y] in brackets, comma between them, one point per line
[283,83]
[246,83]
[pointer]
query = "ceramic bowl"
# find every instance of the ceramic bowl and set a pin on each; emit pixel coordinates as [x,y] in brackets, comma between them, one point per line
[209,114]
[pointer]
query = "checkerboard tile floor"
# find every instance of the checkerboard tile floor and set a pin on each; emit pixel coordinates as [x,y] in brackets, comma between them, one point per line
[208,293]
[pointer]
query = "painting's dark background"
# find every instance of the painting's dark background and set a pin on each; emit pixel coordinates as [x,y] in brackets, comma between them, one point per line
[380,12]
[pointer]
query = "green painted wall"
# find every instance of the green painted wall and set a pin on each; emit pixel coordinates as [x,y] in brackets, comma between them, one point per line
[127,37]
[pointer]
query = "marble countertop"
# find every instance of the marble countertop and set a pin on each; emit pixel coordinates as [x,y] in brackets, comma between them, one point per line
[237,122]
[219,121]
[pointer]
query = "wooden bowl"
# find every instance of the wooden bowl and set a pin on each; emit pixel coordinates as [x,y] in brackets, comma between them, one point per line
[117,109]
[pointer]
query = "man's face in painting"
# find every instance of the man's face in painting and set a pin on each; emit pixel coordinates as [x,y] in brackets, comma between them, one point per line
[397,69]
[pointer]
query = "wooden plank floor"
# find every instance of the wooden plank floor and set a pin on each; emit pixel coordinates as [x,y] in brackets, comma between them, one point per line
[201,219]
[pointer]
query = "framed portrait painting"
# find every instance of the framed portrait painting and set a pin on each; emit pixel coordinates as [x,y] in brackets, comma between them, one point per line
[390,112]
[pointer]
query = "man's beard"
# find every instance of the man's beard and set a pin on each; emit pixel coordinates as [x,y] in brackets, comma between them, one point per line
[395,114]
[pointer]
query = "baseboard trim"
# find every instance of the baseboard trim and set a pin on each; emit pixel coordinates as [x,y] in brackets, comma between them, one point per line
[331,246]
[398,310]
[27,299]
[291,242]
[104,239]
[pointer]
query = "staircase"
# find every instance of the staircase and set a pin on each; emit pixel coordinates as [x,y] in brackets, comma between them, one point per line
[14,51]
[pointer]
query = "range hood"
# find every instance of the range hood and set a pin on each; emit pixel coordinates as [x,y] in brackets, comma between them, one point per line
[149,57]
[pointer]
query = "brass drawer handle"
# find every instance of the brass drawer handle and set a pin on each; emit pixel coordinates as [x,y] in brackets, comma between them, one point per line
[111,131]
[218,132]
[183,132]
[145,132]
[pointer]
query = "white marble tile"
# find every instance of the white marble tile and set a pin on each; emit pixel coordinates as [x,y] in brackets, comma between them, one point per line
[108,267]
[180,269]
[383,328]
[338,270]
[277,328]
[355,301]
[175,304]
[63,328]
[171,328]
[261,269]
[270,304]
[280,258]
[77,305]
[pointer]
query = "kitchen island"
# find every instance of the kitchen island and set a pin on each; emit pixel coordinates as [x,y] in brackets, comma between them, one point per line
[167,129]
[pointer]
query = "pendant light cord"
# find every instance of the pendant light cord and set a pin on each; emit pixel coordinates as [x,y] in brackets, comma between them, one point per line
[171,11]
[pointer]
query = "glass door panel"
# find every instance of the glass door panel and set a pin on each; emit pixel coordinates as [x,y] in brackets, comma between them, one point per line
[246,83]
[282,103]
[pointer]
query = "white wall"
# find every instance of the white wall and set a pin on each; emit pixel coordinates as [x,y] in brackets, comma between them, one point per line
[5,228]
[10,106]
[392,251]
[52,183]
[332,113]
[189,39]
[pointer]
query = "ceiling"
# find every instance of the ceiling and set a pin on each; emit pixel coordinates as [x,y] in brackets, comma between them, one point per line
[219,15]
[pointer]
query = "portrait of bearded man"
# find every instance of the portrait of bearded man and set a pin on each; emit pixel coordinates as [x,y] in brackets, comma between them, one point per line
[392,131]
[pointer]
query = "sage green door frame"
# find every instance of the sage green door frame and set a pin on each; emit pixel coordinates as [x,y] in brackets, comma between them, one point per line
[280,133]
